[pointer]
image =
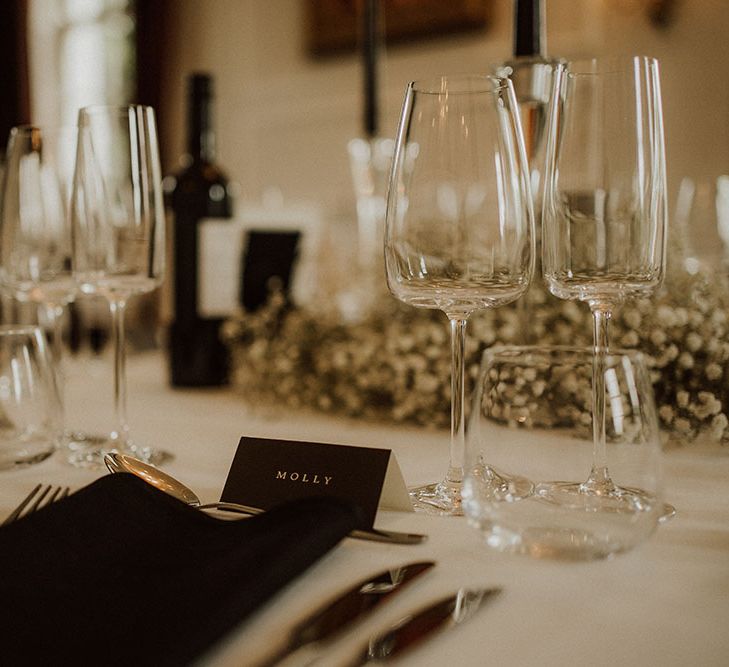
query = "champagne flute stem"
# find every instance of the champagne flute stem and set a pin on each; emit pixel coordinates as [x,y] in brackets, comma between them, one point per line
[54,315]
[599,481]
[458,406]
[118,307]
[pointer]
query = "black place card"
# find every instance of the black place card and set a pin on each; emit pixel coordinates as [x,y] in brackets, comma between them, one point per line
[267,472]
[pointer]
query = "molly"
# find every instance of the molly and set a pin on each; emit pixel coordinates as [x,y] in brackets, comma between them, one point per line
[303,477]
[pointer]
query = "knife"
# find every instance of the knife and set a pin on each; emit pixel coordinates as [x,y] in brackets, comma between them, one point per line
[371,534]
[414,628]
[345,609]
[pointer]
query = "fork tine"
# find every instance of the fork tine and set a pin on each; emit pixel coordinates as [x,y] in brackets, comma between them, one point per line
[16,512]
[42,497]
[37,504]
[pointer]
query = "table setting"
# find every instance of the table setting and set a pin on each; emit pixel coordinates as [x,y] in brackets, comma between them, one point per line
[553,528]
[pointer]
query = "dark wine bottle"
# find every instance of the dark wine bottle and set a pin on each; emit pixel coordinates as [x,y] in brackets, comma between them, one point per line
[197,355]
[531,73]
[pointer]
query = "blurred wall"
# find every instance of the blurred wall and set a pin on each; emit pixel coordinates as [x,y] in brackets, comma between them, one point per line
[284,119]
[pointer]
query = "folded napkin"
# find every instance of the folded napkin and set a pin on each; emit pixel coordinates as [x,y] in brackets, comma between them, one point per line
[119,573]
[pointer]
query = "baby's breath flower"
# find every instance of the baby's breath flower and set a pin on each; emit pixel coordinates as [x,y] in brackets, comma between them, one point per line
[685,360]
[630,339]
[714,371]
[694,342]
[658,337]
[666,414]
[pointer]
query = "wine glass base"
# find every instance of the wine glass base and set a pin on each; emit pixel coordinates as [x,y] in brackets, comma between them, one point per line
[502,486]
[92,455]
[577,496]
[25,457]
[668,512]
[440,499]
[76,440]
[444,498]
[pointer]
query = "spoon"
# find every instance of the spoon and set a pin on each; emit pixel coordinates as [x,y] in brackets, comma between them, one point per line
[161,480]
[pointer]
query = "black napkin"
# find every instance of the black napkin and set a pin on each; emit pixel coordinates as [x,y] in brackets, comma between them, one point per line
[119,573]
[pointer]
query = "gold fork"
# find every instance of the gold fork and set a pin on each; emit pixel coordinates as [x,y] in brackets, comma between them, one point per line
[41,496]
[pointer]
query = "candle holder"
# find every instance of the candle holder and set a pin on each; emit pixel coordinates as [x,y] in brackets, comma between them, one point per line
[369,161]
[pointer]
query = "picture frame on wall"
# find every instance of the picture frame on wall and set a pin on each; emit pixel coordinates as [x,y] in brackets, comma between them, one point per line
[333,26]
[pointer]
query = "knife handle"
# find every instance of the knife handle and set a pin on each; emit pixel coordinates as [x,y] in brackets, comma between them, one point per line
[370,534]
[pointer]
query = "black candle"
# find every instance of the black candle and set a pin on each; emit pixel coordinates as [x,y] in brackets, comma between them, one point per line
[527,27]
[370,55]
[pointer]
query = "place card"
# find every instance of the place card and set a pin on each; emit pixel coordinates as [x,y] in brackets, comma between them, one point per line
[267,472]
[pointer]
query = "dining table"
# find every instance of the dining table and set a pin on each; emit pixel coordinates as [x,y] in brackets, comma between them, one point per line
[665,602]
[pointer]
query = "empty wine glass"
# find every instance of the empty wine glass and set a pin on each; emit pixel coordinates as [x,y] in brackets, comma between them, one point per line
[604,217]
[35,231]
[118,235]
[459,231]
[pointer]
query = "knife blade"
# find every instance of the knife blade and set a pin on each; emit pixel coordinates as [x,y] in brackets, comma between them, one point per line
[418,626]
[346,608]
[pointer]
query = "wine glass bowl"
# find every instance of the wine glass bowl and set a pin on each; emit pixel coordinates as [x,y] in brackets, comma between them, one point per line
[531,419]
[459,230]
[605,195]
[30,409]
[118,241]
[35,236]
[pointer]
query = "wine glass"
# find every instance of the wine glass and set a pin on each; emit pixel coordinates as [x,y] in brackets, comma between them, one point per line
[35,231]
[604,218]
[118,235]
[459,232]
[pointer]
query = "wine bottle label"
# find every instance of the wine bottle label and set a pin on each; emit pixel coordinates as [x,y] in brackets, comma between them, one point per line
[239,261]
[220,244]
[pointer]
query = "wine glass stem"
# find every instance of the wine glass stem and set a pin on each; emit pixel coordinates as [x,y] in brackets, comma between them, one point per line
[54,316]
[599,481]
[458,407]
[118,306]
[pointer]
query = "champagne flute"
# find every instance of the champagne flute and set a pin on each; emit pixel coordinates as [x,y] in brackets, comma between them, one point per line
[604,219]
[35,231]
[459,232]
[118,235]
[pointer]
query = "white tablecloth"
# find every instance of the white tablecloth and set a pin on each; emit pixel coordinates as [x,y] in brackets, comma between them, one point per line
[665,603]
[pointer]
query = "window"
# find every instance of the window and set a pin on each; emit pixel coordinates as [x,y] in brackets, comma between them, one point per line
[81,52]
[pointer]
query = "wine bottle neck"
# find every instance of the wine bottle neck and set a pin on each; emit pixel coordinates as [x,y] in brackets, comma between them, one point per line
[529,28]
[200,132]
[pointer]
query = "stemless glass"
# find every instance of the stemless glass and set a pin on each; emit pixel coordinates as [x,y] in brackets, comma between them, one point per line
[604,215]
[531,418]
[459,231]
[30,412]
[35,231]
[118,235]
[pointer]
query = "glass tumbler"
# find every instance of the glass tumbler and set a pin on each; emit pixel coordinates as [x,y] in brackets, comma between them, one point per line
[30,409]
[531,421]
